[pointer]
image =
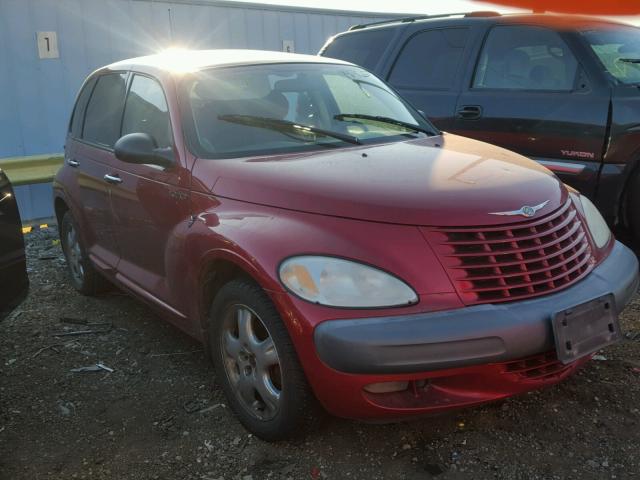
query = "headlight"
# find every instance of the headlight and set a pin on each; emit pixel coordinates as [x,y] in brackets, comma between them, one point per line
[597,226]
[341,283]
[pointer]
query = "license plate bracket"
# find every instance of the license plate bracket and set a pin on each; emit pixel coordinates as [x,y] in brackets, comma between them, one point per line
[586,328]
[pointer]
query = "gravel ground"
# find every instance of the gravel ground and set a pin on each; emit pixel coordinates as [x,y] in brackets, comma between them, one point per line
[159,415]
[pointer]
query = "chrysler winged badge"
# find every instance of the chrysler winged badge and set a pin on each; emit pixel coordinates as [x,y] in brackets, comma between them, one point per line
[525,211]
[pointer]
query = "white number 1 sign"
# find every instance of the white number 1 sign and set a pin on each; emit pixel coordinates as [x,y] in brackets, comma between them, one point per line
[48,45]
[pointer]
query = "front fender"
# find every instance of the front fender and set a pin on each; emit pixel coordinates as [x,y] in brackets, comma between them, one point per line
[257,239]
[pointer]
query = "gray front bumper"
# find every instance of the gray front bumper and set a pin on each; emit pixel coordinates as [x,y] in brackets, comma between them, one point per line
[468,336]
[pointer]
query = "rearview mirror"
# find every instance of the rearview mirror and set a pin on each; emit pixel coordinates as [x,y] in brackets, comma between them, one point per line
[142,148]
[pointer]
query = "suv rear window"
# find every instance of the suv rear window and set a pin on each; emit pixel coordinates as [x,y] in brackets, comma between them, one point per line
[362,48]
[430,59]
[104,112]
[518,57]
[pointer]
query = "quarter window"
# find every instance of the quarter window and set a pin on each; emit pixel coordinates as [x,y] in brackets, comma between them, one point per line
[146,111]
[430,60]
[525,58]
[102,120]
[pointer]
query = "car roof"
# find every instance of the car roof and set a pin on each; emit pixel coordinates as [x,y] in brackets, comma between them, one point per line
[176,61]
[563,22]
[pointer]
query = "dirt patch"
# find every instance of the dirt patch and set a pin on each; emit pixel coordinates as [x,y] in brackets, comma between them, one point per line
[159,415]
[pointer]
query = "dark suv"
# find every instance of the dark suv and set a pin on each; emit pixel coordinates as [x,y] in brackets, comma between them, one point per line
[564,91]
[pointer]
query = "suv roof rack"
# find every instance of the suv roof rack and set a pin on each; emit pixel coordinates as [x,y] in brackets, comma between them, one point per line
[425,17]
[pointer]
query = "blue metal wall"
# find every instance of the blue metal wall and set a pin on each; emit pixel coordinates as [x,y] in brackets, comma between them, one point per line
[37,94]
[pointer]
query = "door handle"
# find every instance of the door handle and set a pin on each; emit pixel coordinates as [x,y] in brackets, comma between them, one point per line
[469,112]
[114,179]
[73,163]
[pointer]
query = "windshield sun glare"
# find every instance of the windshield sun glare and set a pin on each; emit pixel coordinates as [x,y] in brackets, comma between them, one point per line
[270,109]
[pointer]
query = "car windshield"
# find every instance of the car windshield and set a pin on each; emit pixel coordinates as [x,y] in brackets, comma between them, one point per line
[283,108]
[619,51]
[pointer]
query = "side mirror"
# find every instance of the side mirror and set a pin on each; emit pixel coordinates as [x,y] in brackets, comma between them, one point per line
[142,148]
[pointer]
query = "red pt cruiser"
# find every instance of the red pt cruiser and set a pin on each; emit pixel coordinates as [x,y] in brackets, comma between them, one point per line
[326,242]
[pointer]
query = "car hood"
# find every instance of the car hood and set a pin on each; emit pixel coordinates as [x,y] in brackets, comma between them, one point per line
[444,180]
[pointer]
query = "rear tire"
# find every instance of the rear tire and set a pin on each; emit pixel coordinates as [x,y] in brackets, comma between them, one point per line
[256,364]
[83,275]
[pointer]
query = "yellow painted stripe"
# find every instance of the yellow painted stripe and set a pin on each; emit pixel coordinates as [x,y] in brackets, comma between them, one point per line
[31,169]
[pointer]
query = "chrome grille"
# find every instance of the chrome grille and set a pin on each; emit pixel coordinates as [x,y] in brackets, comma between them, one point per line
[515,261]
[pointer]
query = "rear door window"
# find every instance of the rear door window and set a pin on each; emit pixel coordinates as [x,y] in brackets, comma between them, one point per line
[430,60]
[146,111]
[77,118]
[104,112]
[518,57]
[362,48]
[619,51]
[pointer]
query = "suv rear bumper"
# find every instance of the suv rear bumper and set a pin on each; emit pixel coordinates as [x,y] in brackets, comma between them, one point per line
[474,335]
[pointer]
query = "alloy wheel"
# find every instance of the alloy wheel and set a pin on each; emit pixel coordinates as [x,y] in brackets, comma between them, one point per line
[251,362]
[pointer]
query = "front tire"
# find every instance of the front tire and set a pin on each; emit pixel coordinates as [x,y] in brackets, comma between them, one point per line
[256,364]
[633,208]
[83,275]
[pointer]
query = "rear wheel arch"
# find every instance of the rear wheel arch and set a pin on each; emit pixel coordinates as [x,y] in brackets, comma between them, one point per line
[83,274]
[60,207]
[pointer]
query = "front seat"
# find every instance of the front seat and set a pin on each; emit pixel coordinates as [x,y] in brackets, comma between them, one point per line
[275,105]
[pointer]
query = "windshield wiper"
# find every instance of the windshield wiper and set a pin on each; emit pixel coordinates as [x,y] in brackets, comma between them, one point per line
[381,119]
[282,125]
[629,60]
